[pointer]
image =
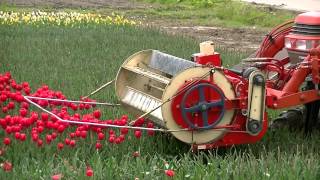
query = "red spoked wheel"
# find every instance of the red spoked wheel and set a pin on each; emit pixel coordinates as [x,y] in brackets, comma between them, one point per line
[200,107]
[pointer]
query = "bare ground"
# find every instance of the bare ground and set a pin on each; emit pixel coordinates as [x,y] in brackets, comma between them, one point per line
[244,39]
[240,39]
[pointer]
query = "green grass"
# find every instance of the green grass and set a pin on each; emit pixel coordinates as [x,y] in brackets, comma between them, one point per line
[76,60]
[219,12]
[226,13]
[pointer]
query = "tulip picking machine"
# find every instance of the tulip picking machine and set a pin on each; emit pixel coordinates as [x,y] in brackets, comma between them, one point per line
[207,105]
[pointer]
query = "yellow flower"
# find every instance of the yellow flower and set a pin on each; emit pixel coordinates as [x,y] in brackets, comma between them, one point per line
[61,18]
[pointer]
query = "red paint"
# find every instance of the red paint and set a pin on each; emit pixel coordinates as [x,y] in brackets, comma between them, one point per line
[213,60]
[309,18]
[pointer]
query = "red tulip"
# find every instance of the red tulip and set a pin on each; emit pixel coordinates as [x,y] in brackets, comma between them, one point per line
[78,133]
[48,138]
[124,130]
[72,143]
[40,129]
[27,90]
[67,141]
[150,132]
[87,106]
[118,140]
[111,132]
[83,134]
[101,136]
[39,142]
[89,172]
[98,145]
[11,105]
[9,129]
[54,135]
[97,114]
[24,105]
[81,106]
[3,123]
[23,112]
[17,135]
[72,135]
[23,136]
[6,141]
[137,134]
[60,145]
[169,172]
[61,128]
[122,137]
[44,116]
[56,177]
[7,166]
[35,137]
[111,139]
[4,109]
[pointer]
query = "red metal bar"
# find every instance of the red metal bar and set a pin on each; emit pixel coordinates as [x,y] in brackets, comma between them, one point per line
[298,77]
[294,99]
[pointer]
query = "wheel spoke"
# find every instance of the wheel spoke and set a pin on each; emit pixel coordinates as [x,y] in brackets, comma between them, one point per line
[201,94]
[215,103]
[205,118]
[193,108]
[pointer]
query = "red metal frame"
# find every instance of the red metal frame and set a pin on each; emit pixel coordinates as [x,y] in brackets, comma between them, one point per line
[284,92]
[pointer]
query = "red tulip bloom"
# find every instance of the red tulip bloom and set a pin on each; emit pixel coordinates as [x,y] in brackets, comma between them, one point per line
[44,116]
[89,172]
[97,114]
[124,130]
[48,138]
[17,135]
[72,143]
[98,145]
[23,112]
[7,141]
[67,141]
[83,134]
[56,177]
[101,136]
[7,166]
[60,146]
[137,134]
[23,136]
[5,109]
[169,172]
[39,142]
[11,105]
[111,139]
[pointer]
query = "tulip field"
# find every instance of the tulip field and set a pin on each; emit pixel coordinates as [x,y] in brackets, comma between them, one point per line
[66,55]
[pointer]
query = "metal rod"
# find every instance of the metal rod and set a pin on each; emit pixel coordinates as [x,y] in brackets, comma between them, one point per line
[100,88]
[72,101]
[117,126]
[99,124]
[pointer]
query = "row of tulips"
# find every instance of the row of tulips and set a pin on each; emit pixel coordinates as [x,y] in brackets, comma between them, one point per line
[61,18]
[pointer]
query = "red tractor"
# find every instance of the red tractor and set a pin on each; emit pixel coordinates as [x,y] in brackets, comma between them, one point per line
[207,105]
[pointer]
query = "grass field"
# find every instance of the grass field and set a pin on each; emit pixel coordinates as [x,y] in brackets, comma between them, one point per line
[230,13]
[77,60]
[225,13]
